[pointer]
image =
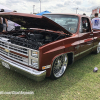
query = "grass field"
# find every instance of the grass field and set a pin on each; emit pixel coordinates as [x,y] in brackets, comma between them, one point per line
[78,83]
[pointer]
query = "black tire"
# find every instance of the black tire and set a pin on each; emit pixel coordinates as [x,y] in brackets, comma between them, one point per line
[59,66]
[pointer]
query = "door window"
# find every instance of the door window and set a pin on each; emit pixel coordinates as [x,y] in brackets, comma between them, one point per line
[85,25]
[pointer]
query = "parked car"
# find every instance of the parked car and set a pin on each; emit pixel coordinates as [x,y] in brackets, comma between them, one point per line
[48,45]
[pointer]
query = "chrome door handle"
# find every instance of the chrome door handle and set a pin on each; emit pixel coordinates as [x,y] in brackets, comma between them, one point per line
[91,34]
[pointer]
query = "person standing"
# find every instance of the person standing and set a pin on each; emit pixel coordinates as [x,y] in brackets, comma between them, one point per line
[96,22]
[5,24]
[1,24]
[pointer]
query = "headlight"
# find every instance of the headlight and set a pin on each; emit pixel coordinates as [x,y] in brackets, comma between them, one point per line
[34,53]
[34,59]
[34,63]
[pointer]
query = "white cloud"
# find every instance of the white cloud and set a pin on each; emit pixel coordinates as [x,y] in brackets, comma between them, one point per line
[59,6]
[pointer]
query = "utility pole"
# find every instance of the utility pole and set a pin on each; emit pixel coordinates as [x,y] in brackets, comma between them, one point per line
[33,8]
[40,5]
[76,10]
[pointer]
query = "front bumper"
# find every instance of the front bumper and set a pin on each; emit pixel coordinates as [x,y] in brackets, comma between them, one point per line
[29,72]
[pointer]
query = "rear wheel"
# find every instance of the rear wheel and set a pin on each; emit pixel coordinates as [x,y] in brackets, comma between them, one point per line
[59,66]
[98,48]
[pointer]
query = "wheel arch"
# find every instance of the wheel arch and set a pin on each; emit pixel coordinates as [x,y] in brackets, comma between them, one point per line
[70,58]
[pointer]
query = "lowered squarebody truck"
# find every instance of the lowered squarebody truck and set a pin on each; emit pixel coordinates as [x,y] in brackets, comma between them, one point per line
[48,44]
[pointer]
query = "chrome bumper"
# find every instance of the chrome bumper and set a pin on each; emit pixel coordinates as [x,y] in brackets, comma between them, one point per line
[29,72]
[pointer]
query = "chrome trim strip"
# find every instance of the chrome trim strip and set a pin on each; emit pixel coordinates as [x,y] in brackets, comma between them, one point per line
[85,51]
[95,46]
[29,72]
[77,55]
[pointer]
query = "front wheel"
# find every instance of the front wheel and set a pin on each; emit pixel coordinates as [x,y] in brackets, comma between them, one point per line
[59,66]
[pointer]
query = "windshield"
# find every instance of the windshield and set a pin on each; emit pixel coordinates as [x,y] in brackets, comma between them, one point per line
[69,22]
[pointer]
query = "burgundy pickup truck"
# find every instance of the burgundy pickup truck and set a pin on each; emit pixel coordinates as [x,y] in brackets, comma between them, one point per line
[46,44]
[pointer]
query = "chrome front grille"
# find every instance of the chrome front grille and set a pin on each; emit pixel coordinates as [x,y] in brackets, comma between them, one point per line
[15,57]
[3,44]
[15,48]
[18,53]
[18,58]
[3,52]
[18,49]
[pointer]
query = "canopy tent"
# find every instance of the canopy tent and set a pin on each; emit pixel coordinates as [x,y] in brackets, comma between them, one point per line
[44,12]
[5,8]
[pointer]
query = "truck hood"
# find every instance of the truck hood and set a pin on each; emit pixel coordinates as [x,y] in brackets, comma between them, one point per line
[33,21]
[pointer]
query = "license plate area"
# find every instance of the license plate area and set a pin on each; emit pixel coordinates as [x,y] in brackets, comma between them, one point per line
[5,64]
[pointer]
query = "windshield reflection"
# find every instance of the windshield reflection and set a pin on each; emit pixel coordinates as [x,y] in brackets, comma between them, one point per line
[69,22]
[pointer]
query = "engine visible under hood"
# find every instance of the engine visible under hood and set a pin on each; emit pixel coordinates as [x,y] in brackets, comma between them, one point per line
[44,30]
[31,38]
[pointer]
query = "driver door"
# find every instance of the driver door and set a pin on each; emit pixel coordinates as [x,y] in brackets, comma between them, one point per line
[85,37]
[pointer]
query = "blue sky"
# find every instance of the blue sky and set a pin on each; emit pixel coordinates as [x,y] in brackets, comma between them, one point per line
[55,6]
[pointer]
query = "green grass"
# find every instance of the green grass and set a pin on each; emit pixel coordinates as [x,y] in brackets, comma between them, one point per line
[78,83]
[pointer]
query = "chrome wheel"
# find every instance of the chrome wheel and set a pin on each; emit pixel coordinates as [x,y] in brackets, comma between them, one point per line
[98,48]
[59,66]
